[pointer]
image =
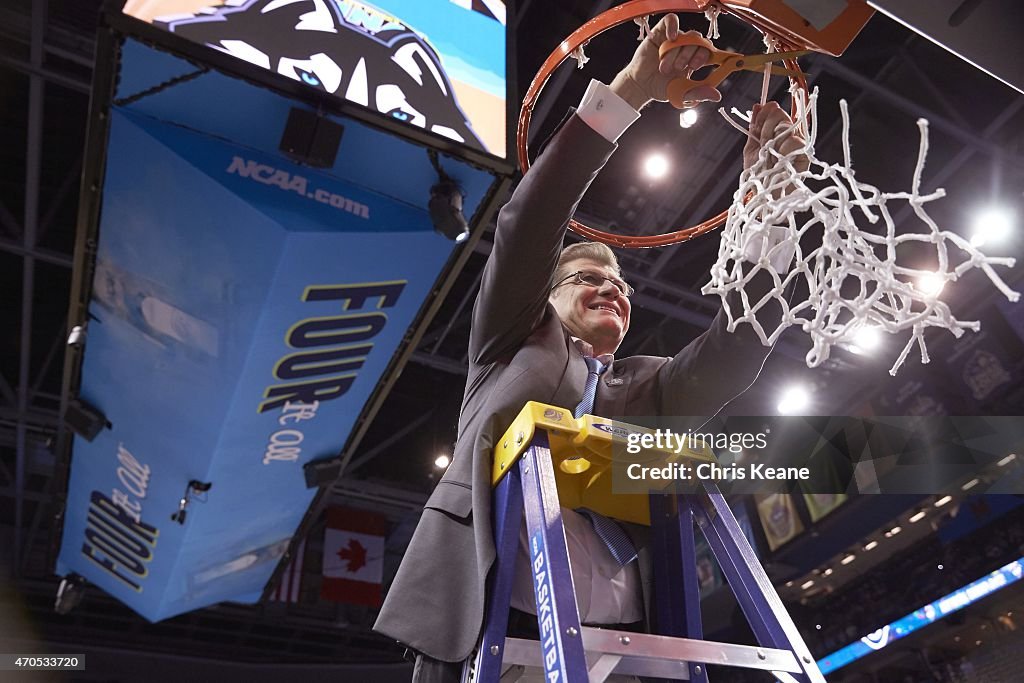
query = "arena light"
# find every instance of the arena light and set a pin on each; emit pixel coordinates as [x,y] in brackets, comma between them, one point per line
[930,284]
[893,531]
[656,166]
[827,572]
[442,461]
[991,227]
[688,117]
[942,501]
[917,516]
[793,400]
[871,545]
[865,340]
[848,559]
[1007,460]
[971,484]
[807,584]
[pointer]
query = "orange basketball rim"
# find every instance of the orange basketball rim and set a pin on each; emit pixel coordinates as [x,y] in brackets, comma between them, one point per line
[774,18]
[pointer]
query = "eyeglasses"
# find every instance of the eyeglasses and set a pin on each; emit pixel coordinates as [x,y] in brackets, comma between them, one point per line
[592,279]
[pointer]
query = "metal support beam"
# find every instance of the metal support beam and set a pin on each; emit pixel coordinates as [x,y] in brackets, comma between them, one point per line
[69,184]
[894,61]
[8,222]
[33,153]
[725,181]
[7,392]
[44,255]
[441,363]
[55,348]
[18,494]
[556,84]
[34,70]
[372,453]
[908,106]
[470,292]
[934,90]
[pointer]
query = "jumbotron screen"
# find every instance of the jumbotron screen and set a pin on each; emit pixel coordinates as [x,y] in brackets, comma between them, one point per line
[438,65]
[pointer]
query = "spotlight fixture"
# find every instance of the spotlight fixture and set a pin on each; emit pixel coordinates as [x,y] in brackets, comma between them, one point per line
[942,501]
[930,284]
[688,117]
[865,340]
[445,205]
[446,211]
[77,336]
[971,484]
[1007,460]
[793,401]
[656,166]
[69,593]
[991,227]
[871,545]
[917,516]
[848,559]
[442,461]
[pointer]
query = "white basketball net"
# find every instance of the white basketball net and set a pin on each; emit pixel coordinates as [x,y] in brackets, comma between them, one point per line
[851,272]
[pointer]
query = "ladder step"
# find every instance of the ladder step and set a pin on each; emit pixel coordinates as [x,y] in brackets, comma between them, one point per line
[644,654]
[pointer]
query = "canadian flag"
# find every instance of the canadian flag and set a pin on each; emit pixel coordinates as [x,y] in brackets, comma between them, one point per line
[353,556]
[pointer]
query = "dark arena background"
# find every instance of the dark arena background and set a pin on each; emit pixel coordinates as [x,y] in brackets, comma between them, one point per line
[184,497]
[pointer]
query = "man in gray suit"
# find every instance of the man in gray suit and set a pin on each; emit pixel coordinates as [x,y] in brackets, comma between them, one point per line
[535,320]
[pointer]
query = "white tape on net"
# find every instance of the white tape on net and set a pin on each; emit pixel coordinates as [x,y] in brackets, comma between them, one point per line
[852,274]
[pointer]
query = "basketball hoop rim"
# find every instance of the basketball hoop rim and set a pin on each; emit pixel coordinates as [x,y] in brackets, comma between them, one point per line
[580,37]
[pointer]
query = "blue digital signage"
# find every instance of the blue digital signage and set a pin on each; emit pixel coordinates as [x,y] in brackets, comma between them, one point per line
[930,613]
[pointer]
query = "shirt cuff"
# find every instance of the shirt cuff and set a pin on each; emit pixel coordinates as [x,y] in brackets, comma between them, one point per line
[773,245]
[604,111]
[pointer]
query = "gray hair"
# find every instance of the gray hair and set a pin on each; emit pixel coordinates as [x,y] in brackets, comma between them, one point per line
[595,251]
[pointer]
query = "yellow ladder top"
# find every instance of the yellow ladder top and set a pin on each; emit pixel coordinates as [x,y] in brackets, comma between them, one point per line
[583,452]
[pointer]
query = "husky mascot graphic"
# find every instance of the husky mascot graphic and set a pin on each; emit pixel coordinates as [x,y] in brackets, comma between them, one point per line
[341,46]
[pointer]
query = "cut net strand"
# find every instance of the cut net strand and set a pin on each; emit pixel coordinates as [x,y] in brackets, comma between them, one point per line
[852,274]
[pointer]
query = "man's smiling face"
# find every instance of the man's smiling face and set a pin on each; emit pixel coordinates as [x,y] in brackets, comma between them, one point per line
[598,315]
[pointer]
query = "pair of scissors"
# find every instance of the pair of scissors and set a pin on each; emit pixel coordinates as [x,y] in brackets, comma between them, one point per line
[724,63]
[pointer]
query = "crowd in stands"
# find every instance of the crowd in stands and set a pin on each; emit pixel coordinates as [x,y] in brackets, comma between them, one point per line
[906,582]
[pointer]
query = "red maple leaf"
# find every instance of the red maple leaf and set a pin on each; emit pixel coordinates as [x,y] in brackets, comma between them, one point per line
[354,554]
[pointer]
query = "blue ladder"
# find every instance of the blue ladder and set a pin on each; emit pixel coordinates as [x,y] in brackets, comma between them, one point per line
[536,472]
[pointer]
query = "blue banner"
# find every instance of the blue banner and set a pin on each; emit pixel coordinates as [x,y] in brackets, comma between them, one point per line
[244,309]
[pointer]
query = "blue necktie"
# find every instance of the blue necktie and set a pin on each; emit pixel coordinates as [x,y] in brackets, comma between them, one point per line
[594,370]
[613,535]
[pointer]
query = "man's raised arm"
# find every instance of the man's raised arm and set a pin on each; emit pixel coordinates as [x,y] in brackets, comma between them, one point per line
[517,278]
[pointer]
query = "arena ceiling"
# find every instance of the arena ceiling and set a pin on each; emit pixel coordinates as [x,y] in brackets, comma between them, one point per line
[890,76]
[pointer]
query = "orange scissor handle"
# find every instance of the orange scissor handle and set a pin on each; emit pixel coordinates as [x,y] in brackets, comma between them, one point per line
[724,63]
